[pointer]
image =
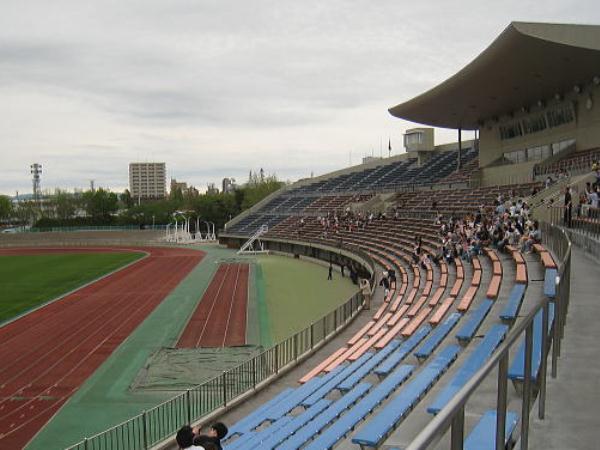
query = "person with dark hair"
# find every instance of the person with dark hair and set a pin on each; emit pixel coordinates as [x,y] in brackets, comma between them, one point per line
[392,278]
[212,439]
[185,438]
[568,207]
[330,273]
[385,282]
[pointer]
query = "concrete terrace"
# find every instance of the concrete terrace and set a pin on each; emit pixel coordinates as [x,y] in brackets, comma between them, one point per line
[571,398]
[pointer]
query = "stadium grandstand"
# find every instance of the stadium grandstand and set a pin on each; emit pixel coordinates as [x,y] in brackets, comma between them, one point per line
[401,377]
[473,322]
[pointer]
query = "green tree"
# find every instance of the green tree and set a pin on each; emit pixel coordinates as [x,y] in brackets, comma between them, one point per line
[65,204]
[176,195]
[100,204]
[5,207]
[26,212]
[126,199]
[257,190]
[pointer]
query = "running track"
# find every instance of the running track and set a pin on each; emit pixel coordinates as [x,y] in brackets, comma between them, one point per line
[46,355]
[220,318]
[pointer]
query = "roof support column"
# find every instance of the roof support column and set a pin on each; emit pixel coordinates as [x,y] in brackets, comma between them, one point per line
[459,148]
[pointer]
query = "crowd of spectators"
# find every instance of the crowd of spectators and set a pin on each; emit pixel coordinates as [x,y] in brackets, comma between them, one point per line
[507,224]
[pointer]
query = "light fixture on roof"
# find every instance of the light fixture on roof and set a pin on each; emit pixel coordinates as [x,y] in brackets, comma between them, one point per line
[577,89]
[557,96]
[524,109]
[589,103]
[596,80]
[541,103]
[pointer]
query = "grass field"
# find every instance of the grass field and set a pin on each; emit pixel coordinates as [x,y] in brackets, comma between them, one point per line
[29,280]
[297,292]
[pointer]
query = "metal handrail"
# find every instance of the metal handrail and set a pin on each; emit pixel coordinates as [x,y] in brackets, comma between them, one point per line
[452,415]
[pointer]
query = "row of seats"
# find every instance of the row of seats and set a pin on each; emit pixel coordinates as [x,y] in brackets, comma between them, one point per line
[350,369]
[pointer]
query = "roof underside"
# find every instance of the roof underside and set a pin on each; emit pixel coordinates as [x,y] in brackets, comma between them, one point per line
[526,63]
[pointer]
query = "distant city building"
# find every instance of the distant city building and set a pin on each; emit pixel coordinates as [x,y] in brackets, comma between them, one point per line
[228,185]
[189,191]
[147,180]
[212,189]
[178,185]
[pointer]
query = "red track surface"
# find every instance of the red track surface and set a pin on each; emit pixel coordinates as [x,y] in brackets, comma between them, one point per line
[46,355]
[220,318]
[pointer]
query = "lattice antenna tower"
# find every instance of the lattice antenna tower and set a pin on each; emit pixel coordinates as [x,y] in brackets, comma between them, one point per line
[36,173]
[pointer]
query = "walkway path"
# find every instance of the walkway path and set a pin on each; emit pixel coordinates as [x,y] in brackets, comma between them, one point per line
[573,397]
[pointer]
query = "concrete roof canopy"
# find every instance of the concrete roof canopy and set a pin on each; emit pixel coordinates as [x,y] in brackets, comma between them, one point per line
[526,63]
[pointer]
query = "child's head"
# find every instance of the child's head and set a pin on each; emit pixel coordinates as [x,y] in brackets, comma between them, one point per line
[218,430]
[185,437]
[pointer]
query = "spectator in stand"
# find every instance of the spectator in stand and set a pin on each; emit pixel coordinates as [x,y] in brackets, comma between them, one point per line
[416,254]
[185,439]
[392,278]
[593,198]
[534,236]
[568,204]
[212,439]
[425,261]
[386,284]
[548,182]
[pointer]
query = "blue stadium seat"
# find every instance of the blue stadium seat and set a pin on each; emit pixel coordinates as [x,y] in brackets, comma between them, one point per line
[311,429]
[250,421]
[336,380]
[358,412]
[405,348]
[367,368]
[279,406]
[299,394]
[483,435]
[513,305]
[271,436]
[473,363]
[469,329]
[388,418]
[516,371]
[250,440]
[437,336]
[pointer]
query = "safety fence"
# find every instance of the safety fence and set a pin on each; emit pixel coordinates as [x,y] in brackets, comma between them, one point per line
[453,415]
[584,219]
[93,228]
[152,426]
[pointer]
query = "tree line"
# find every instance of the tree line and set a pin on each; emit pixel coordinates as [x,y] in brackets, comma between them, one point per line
[101,207]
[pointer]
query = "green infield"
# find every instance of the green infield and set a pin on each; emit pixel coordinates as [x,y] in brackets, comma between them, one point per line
[30,280]
[296,293]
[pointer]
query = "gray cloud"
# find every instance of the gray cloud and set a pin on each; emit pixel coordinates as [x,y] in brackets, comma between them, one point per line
[216,88]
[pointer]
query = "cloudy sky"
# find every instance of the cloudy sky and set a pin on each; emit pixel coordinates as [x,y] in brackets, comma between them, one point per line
[217,88]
